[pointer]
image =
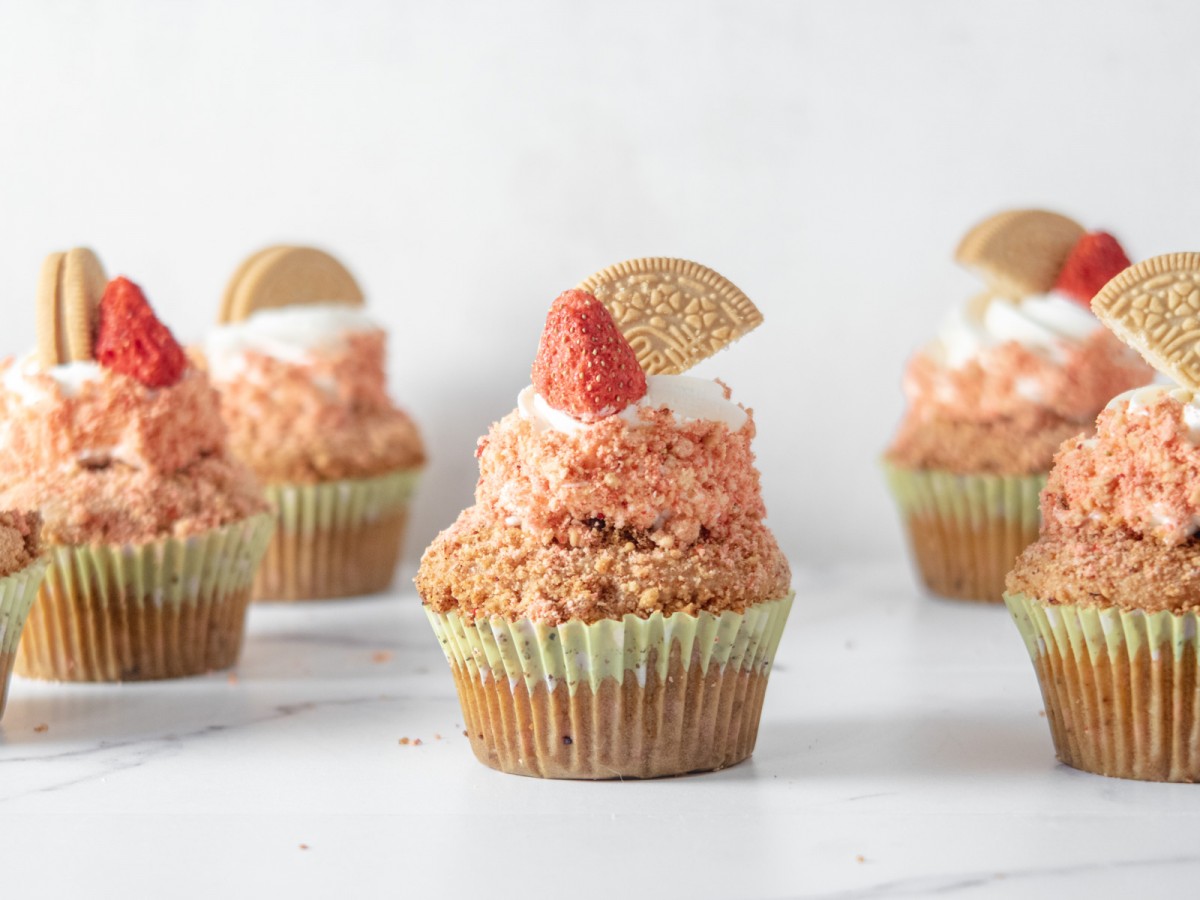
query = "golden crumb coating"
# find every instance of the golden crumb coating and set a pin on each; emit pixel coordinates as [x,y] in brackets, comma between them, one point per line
[484,568]
[20,540]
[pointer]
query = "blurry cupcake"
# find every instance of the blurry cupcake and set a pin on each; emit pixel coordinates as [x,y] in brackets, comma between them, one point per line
[22,568]
[152,529]
[300,368]
[611,605]
[1010,376]
[1108,598]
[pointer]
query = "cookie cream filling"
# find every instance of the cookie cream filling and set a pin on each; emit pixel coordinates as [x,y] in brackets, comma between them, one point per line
[1138,402]
[292,334]
[20,379]
[688,397]
[1043,324]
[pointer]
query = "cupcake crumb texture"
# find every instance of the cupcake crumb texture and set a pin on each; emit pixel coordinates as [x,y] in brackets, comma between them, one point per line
[325,418]
[1121,511]
[114,461]
[20,540]
[607,521]
[1007,411]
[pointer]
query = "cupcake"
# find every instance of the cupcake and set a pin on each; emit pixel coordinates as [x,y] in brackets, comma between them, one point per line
[300,370]
[21,570]
[611,605]
[1011,375]
[1108,598]
[152,530]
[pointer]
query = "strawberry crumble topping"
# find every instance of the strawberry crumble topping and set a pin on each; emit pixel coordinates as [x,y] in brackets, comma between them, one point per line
[1121,510]
[1007,411]
[325,418]
[20,542]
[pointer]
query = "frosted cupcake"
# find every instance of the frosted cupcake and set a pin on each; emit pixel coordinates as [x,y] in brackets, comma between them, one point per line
[22,567]
[1107,599]
[1010,376]
[611,605]
[300,368]
[152,529]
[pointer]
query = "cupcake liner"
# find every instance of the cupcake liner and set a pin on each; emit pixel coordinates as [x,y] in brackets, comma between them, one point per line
[17,593]
[628,698]
[163,609]
[335,539]
[966,531]
[1120,686]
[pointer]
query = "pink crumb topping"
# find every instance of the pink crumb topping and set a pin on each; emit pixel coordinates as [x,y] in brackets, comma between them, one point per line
[678,481]
[327,418]
[1140,473]
[113,418]
[1010,378]
[118,462]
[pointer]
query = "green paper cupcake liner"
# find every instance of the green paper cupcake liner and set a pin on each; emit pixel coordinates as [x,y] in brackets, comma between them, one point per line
[617,698]
[164,609]
[1119,686]
[966,531]
[336,539]
[17,593]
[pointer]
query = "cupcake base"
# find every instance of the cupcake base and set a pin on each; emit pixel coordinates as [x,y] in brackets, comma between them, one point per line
[966,531]
[610,700]
[165,609]
[1120,687]
[337,539]
[689,722]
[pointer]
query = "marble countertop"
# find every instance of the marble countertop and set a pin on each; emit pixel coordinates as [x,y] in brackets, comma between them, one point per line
[902,754]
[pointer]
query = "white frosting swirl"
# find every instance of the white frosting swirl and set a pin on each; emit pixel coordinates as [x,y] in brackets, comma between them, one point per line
[688,397]
[1042,323]
[70,377]
[1138,402]
[293,334]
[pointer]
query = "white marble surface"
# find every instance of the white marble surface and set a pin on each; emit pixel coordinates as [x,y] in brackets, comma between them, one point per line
[902,754]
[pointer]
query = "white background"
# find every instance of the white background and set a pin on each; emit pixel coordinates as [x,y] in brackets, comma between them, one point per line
[470,161]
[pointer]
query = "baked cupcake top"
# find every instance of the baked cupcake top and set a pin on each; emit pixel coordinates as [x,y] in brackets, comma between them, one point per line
[117,438]
[608,491]
[20,542]
[300,369]
[1121,509]
[1024,365]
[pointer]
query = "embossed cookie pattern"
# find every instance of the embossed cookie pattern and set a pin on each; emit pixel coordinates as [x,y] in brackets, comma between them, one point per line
[1155,308]
[674,313]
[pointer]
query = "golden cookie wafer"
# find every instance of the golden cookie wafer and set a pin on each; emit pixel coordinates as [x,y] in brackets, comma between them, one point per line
[50,351]
[1154,307]
[288,276]
[81,287]
[239,273]
[1020,252]
[674,313]
[68,296]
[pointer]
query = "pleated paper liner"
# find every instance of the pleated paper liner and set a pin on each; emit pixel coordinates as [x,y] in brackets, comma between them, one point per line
[629,698]
[164,609]
[966,531]
[336,539]
[17,593]
[1120,687]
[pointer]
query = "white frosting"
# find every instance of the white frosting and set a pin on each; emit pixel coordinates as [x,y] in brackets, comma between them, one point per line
[70,377]
[689,398]
[1042,323]
[293,334]
[1138,402]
